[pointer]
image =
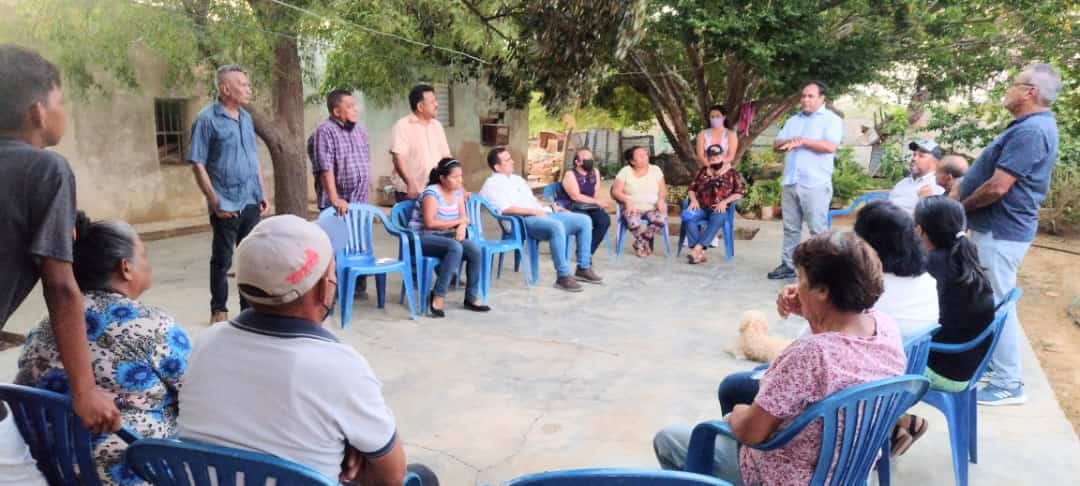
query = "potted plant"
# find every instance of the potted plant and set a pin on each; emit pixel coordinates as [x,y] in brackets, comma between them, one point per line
[766,195]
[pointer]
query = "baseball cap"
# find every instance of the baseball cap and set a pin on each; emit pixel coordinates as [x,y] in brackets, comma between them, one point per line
[281,259]
[929,146]
[714,149]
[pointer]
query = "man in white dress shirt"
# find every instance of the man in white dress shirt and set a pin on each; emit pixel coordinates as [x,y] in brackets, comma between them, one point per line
[925,156]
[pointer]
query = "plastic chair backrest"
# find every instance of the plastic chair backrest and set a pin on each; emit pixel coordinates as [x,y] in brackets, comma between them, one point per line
[917,349]
[56,437]
[550,191]
[401,214]
[352,234]
[170,462]
[993,332]
[867,412]
[616,477]
[475,206]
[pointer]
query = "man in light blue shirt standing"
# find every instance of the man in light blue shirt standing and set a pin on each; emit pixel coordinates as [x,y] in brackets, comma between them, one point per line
[809,141]
[226,167]
[1002,193]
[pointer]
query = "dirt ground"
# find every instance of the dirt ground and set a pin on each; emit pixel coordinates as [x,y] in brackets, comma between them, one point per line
[1051,284]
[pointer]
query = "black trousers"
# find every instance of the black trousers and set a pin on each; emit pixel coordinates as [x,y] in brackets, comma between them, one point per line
[601,221]
[228,233]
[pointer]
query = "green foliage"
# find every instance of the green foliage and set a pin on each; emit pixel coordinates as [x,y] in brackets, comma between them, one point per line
[584,117]
[764,192]
[758,165]
[676,194]
[609,168]
[895,165]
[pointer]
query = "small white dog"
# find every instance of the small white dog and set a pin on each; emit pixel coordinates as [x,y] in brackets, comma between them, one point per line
[754,341]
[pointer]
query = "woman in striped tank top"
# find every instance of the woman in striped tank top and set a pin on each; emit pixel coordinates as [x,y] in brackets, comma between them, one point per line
[441,222]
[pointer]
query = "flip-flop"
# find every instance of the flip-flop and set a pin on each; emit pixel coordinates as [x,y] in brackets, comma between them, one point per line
[903,438]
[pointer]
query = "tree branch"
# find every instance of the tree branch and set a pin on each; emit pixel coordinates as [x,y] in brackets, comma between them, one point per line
[486,20]
[697,67]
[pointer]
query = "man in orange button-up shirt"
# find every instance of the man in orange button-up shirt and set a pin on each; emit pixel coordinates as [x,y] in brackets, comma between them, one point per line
[417,142]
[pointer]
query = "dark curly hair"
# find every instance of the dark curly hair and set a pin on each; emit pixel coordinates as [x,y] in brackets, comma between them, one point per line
[891,231]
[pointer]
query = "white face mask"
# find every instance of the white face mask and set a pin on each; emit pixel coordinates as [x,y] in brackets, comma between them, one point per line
[716,122]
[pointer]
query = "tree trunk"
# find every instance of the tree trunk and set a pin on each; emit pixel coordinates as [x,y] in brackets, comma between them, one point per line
[284,135]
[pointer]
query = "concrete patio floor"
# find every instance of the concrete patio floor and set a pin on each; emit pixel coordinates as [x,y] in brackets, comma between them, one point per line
[550,380]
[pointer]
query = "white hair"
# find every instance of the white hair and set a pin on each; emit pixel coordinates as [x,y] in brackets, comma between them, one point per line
[1046,80]
[226,69]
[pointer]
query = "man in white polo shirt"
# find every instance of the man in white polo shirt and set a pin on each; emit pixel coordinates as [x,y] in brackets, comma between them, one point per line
[922,182]
[273,380]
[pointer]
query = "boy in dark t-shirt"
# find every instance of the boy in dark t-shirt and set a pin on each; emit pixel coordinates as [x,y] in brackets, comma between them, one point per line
[37,220]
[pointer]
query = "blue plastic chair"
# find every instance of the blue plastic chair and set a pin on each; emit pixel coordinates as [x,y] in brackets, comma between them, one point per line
[621,229]
[960,408]
[616,477]
[513,239]
[549,195]
[56,437]
[859,201]
[166,462]
[400,215]
[917,350]
[868,412]
[354,250]
[728,229]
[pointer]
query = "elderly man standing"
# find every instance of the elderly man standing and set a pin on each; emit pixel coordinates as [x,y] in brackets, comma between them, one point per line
[1002,193]
[226,167]
[417,143]
[949,174]
[340,155]
[274,380]
[809,139]
[923,181]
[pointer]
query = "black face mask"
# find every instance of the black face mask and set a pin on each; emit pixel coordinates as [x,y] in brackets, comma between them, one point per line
[348,126]
[716,167]
[587,164]
[330,308]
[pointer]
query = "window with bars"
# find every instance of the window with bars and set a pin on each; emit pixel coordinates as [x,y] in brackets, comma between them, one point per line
[170,129]
[444,93]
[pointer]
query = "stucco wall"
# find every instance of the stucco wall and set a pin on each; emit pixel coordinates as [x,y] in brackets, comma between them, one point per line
[110,143]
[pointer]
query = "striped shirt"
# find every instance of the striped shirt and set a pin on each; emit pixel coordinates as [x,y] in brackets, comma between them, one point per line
[445,210]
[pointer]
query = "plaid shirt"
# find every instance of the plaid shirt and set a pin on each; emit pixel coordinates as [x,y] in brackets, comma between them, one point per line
[713,189]
[347,153]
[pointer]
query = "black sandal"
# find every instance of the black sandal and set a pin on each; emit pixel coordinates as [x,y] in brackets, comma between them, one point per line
[435,312]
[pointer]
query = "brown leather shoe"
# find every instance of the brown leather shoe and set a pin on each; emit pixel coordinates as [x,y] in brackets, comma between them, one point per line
[587,275]
[568,283]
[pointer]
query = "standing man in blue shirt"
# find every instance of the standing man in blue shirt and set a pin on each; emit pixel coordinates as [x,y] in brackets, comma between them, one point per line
[809,141]
[226,167]
[1002,193]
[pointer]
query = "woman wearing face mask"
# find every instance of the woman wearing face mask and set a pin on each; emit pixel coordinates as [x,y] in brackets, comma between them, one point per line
[714,188]
[577,193]
[441,220]
[717,133]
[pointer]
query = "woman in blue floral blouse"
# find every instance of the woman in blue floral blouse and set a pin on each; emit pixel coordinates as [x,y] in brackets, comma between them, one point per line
[138,352]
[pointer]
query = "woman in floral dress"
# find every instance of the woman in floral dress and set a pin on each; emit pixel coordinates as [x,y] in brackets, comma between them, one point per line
[138,352]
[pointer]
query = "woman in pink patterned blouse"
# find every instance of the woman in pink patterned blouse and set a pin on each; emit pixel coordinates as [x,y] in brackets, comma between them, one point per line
[850,344]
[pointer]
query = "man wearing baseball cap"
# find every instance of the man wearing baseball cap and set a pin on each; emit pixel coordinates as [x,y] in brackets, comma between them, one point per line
[924,163]
[273,380]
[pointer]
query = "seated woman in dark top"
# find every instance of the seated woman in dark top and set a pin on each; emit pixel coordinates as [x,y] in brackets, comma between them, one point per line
[965,301]
[577,193]
[711,193]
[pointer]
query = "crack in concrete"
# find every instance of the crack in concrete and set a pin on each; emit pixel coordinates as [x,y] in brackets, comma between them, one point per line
[551,341]
[447,454]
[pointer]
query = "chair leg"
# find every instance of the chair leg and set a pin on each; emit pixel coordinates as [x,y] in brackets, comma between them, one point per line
[533,255]
[499,270]
[348,292]
[380,286]
[682,239]
[973,431]
[953,406]
[406,275]
[607,244]
[620,234]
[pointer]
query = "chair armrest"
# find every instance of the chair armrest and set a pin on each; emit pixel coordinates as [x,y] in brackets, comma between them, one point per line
[700,452]
[128,435]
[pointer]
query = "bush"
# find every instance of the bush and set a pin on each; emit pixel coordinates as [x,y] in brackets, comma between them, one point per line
[764,192]
[676,194]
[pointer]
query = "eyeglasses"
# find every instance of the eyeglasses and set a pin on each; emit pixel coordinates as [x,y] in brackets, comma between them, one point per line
[1029,85]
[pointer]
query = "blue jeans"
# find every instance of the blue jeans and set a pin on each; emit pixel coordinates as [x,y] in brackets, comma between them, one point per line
[738,389]
[451,252]
[554,228]
[1002,259]
[695,237]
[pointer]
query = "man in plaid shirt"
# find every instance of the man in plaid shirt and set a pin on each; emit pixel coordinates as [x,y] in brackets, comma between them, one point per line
[340,155]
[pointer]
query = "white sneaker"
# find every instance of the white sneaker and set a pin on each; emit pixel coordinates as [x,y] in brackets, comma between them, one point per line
[715,242]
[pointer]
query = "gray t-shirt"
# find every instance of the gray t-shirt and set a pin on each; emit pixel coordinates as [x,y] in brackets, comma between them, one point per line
[37,217]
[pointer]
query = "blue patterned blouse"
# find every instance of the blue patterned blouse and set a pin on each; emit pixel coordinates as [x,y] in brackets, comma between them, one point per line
[138,354]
